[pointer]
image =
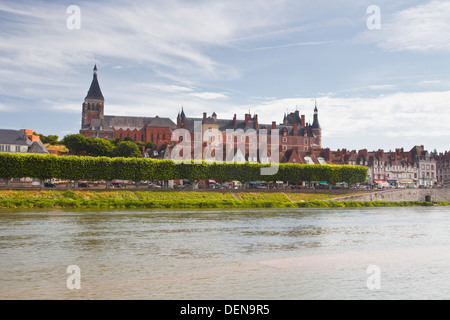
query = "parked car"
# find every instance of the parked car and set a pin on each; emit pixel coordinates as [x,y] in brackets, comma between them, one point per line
[153,186]
[49,185]
[83,185]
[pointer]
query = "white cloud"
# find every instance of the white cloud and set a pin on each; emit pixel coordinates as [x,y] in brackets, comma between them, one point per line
[209,95]
[410,116]
[166,87]
[421,28]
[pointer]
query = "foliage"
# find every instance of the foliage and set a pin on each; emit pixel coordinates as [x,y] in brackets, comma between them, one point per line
[98,147]
[126,149]
[143,169]
[75,142]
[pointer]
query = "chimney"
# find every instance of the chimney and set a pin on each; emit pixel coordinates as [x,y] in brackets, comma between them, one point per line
[204,116]
[303,120]
[274,125]
[246,119]
[234,120]
[295,128]
[256,122]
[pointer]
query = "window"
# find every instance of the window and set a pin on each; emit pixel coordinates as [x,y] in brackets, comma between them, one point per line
[135,137]
[284,148]
[2,148]
[17,148]
[142,137]
[164,136]
[284,139]
[229,137]
[306,141]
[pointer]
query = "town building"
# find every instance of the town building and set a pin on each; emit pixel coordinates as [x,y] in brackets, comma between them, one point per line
[21,141]
[426,166]
[443,168]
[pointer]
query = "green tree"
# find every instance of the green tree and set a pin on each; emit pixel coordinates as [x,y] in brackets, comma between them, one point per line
[75,142]
[126,149]
[98,147]
[50,139]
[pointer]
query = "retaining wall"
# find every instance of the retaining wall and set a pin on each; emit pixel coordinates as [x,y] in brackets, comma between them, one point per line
[434,194]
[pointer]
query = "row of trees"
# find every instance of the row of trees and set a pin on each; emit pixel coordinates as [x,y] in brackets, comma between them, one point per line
[98,147]
[143,169]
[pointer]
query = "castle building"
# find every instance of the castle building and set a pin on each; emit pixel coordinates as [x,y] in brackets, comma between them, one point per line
[296,139]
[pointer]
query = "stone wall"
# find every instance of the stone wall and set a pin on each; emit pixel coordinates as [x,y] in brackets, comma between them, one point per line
[434,194]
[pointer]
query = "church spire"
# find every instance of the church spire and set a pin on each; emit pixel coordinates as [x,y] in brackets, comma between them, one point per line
[94,90]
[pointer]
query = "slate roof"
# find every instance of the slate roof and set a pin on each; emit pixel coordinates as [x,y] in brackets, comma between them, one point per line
[94,90]
[12,137]
[138,123]
[224,124]
[15,137]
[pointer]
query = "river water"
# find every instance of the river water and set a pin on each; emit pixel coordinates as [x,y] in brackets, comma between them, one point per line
[370,253]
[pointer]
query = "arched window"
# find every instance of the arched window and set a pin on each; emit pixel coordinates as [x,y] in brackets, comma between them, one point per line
[135,137]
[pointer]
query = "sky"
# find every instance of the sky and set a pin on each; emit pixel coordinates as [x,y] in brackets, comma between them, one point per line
[380,75]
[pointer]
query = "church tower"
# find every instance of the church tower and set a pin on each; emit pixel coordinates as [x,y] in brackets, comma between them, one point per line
[93,106]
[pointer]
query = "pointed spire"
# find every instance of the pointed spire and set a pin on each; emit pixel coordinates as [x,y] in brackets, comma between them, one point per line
[315,123]
[94,90]
[182,113]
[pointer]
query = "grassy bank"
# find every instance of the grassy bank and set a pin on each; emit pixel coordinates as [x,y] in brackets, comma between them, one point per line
[159,199]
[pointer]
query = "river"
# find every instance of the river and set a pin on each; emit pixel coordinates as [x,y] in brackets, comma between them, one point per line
[345,253]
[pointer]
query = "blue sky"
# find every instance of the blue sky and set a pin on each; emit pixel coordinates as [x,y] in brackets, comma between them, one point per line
[383,88]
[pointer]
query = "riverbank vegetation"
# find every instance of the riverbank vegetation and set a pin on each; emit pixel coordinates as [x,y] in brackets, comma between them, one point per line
[124,199]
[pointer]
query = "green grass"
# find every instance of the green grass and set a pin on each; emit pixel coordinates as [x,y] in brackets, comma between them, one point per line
[159,199]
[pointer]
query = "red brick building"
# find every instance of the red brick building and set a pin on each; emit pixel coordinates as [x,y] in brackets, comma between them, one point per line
[94,122]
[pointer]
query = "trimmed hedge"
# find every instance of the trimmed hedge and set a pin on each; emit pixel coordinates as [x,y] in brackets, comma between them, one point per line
[142,169]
